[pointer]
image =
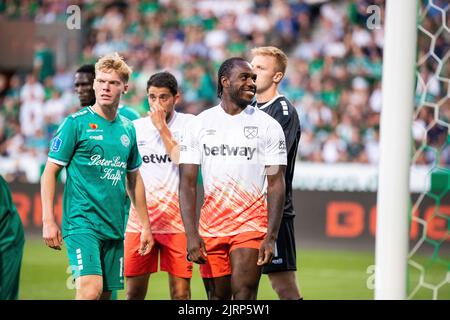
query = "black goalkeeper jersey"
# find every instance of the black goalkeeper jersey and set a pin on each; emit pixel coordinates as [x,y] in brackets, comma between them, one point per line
[282,110]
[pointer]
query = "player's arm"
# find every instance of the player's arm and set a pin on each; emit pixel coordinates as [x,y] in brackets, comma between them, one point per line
[292,132]
[275,204]
[289,123]
[196,250]
[158,117]
[50,231]
[136,191]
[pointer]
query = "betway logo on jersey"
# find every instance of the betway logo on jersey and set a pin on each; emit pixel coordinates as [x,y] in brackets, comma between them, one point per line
[229,151]
[156,158]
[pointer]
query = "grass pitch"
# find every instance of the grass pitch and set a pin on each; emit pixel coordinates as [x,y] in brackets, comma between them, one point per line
[321,275]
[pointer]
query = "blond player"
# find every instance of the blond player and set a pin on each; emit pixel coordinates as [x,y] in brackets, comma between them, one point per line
[99,150]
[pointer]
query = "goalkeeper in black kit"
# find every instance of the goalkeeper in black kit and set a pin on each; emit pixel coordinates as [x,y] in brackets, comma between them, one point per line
[270,64]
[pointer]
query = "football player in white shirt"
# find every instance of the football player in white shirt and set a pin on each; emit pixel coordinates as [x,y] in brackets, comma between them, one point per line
[157,137]
[242,154]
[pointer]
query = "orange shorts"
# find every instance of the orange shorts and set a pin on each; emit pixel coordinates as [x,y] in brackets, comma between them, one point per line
[172,252]
[219,248]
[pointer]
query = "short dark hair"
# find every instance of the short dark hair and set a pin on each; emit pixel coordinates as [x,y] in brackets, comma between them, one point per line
[163,79]
[224,71]
[86,68]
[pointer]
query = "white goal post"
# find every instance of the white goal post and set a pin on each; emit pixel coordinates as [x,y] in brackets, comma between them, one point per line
[393,201]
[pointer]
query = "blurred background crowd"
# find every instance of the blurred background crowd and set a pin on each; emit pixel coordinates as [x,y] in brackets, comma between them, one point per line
[333,77]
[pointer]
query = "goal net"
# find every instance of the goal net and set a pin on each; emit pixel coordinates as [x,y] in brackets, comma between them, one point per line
[429,253]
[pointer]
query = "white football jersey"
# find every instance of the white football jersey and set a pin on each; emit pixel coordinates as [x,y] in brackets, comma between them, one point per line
[160,175]
[233,152]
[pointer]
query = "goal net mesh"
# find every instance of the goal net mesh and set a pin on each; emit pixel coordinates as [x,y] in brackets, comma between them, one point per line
[429,256]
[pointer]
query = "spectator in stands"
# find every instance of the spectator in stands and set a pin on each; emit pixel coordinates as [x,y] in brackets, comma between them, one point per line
[334,79]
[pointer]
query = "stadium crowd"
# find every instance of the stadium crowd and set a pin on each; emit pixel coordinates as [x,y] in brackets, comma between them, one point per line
[333,78]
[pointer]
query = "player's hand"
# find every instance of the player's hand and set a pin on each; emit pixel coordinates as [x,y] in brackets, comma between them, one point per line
[266,252]
[52,235]
[157,115]
[196,249]
[146,243]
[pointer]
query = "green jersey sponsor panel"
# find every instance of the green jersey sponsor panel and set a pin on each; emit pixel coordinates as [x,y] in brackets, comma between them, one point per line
[97,154]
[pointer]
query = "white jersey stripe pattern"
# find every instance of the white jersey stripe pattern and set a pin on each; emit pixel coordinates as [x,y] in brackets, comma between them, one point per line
[160,175]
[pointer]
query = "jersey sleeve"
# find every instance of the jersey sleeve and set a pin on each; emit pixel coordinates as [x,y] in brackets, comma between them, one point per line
[275,150]
[62,146]
[291,128]
[5,198]
[134,159]
[190,151]
[287,117]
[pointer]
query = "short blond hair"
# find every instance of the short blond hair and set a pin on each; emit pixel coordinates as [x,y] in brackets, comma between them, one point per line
[278,54]
[114,62]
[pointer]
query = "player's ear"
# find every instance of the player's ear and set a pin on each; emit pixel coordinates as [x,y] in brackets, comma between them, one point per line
[225,82]
[125,89]
[176,98]
[278,76]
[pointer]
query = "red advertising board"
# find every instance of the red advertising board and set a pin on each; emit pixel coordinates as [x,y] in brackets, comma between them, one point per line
[325,219]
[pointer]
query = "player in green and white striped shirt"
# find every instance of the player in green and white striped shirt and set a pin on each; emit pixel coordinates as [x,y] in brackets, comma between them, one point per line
[98,148]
